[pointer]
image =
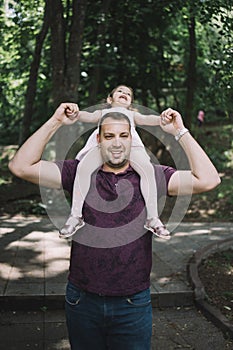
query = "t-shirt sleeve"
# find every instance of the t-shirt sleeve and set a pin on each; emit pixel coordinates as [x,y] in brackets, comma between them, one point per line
[68,171]
[163,174]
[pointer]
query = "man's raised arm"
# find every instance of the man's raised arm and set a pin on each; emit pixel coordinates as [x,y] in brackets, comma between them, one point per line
[203,175]
[27,163]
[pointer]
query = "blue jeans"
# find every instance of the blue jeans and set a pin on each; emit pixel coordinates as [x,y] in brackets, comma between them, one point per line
[97,322]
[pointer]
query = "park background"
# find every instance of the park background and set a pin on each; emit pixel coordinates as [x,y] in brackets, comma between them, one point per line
[176,53]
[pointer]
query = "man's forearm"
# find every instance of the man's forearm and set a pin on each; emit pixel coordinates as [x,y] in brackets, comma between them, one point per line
[203,175]
[201,166]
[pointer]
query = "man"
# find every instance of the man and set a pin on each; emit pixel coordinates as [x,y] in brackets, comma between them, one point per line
[108,299]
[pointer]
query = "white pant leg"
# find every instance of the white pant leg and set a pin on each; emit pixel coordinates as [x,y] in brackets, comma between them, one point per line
[140,162]
[89,163]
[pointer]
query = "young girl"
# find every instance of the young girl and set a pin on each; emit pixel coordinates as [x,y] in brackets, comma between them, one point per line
[120,100]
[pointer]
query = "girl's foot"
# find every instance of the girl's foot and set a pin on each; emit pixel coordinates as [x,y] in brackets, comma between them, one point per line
[157,228]
[72,225]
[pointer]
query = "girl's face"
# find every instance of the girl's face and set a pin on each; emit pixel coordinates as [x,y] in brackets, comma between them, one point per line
[122,96]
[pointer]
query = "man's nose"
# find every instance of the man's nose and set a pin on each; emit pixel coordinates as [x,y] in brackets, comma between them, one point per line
[116,142]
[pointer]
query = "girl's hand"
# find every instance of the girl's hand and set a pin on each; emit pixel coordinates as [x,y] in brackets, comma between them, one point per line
[171,121]
[67,113]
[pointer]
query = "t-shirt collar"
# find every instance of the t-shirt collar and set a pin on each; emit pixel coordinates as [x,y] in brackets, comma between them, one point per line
[129,169]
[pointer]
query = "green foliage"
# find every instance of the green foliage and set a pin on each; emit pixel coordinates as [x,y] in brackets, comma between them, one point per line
[20,24]
[217,142]
[144,45]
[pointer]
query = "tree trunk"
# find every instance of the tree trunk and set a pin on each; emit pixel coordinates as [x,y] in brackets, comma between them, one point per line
[75,49]
[191,75]
[66,61]
[57,25]
[32,82]
[96,73]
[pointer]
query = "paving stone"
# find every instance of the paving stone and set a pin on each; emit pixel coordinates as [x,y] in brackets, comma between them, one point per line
[33,273]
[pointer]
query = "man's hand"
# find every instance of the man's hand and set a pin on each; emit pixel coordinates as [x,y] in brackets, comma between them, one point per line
[171,121]
[67,113]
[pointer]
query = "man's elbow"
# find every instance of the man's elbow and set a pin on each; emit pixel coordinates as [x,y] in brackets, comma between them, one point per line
[216,181]
[212,182]
[16,169]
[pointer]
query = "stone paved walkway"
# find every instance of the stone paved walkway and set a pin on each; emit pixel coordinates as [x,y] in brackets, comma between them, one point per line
[34,261]
[33,273]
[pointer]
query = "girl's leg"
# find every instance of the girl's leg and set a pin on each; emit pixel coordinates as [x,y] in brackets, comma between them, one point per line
[140,161]
[90,162]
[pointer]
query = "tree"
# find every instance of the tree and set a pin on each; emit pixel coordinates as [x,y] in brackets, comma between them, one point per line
[33,75]
[191,71]
[173,53]
[66,46]
[99,57]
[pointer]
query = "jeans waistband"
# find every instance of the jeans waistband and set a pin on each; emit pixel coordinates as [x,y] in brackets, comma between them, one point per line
[104,295]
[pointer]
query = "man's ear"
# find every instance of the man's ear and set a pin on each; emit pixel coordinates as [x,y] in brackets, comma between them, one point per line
[109,100]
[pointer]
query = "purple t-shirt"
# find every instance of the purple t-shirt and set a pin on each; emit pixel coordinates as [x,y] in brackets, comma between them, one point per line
[112,254]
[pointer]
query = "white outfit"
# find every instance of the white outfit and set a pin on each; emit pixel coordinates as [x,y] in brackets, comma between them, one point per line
[90,159]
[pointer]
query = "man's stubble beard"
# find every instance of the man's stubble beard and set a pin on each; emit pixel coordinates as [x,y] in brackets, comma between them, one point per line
[118,165]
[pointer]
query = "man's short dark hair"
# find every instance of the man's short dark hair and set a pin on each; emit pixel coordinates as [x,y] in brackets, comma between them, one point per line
[114,115]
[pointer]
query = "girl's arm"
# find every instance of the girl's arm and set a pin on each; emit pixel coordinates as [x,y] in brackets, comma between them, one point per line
[150,119]
[89,117]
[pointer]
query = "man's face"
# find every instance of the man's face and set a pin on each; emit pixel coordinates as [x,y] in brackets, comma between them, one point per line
[115,143]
